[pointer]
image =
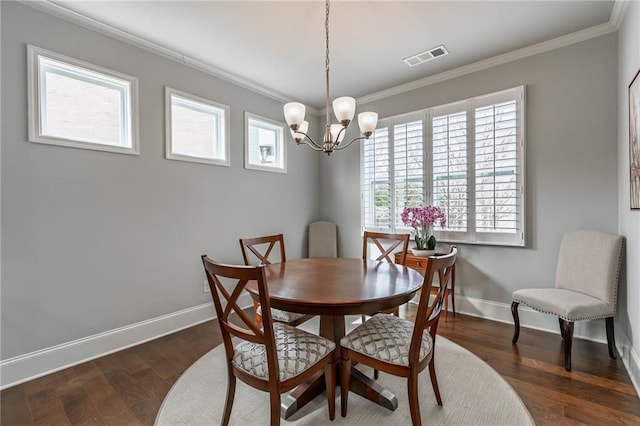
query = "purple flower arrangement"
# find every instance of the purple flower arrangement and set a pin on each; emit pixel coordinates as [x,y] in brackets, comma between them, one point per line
[421,219]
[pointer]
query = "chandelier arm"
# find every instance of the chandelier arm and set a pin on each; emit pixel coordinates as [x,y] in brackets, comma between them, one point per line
[307,140]
[339,147]
[342,130]
[311,144]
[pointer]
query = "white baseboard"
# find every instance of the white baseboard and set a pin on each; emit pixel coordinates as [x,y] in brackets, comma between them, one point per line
[36,364]
[588,330]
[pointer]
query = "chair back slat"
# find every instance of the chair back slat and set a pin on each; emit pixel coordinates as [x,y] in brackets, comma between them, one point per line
[428,315]
[234,322]
[378,238]
[260,250]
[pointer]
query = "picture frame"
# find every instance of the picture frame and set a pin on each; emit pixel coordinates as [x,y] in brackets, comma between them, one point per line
[634,142]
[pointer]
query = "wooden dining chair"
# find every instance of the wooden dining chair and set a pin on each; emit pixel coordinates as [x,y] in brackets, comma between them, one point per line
[274,358]
[259,251]
[408,347]
[387,245]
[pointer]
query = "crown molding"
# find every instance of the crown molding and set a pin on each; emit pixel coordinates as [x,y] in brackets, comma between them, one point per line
[51,8]
[535,49]
[618,12]
[59,11]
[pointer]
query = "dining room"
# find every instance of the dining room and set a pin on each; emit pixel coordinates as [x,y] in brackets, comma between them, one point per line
[105,305]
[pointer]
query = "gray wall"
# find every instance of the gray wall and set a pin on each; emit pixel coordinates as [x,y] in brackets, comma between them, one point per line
[93,241]
[571,166]
[628,318]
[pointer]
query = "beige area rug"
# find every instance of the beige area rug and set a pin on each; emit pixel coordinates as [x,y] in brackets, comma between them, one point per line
[472,394]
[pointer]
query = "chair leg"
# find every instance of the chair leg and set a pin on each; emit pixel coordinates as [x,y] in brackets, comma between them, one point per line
[345,378]
[446,308]
[453,303]
[561,327]
[611,340]
[516,322]
[414,403]
[567,327]
[274,398]
[434,381]
[231,391]
[330,384]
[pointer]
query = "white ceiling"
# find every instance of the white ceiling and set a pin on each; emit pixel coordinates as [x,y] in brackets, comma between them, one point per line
[279,45]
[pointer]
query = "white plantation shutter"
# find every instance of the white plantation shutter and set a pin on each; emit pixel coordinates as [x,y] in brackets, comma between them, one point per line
[499,168]
[450,168]
[475,171]
[376,181]
[408,155]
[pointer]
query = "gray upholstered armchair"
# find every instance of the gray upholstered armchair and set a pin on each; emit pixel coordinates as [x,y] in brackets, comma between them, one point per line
[586,286]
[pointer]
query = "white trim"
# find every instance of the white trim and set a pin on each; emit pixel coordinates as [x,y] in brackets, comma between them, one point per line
[529,318]
[630,359]
[34,102]
[281,144]
[618,12]
[221,109]
[22,368]
[62,12]
[545,46]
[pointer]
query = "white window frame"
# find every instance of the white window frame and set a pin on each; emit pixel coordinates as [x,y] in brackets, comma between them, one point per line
[222,140]
[127,84]
[517,239]
[280,148]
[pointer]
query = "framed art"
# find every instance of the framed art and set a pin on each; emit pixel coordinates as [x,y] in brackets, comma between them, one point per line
[634,142]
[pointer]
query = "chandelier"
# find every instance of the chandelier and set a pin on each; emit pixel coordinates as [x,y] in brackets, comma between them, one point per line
[344,109]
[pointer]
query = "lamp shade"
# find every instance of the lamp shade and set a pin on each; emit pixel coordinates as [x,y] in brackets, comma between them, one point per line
[367,121]
[336,136]
[294,113]
[301,132]
[344,108]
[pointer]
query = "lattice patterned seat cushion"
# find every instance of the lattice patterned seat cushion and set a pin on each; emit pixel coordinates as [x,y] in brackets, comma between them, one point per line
[386,337]
[282,316]
[297,350]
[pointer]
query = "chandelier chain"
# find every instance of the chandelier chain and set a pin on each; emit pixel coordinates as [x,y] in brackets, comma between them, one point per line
[326,63]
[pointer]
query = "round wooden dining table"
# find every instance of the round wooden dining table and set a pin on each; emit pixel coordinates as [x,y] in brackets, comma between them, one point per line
[333,288]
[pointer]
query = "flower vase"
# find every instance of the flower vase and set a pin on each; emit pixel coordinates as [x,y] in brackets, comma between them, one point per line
[422,253]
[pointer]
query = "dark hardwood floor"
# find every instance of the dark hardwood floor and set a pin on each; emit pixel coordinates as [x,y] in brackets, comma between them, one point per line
[127,388]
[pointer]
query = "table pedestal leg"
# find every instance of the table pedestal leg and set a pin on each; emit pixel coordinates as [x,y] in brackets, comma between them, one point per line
[370,389]
[301,395]
[332,328]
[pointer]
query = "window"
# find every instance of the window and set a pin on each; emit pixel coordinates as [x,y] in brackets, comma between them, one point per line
[264,144]
[466,157]
[196,129]
[76,104]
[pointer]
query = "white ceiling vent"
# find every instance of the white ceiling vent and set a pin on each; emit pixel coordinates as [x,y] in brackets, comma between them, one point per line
[425,56]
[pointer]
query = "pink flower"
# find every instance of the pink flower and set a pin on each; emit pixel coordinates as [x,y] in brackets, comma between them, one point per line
[422,219]
[417,217]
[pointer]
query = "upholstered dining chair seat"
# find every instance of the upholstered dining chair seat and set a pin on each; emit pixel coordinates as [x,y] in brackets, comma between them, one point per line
[282,316]
[568,305]
[386,337]
[296,351]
